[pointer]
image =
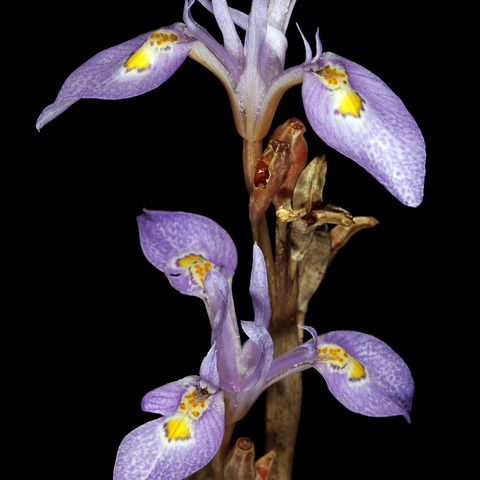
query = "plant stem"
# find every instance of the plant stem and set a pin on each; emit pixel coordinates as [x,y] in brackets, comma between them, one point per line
[284,398]
[252,151]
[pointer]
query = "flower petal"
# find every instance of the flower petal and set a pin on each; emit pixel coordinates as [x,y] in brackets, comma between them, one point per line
[298,359]
[353,111]
[365,374]
[262,339]
[126,70]
[185,246]
[259,289]
[166,399]
[178,445]
[209,366]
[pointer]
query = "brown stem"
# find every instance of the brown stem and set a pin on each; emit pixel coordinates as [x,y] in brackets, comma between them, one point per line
[284,398]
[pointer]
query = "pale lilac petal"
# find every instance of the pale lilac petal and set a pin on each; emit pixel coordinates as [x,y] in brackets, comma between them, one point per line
[259,289]
[209,369]
[298,359]
[158,450]
[168,238]
[256,362]
[381,136]
[261,338]
[217,291]
[279,13]
[231,40]
[165,399]
[108,76]
[206,40]
[384,386]
[225,339]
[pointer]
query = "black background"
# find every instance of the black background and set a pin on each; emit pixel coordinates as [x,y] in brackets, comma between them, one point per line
[100,326]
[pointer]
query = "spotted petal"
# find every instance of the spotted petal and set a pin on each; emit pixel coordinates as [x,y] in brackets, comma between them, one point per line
[355,113]
[185,247]
[126,70]
[365,374]
[179,444]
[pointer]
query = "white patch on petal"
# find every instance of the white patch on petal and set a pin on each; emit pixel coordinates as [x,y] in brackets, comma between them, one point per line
[339,361]
[347,101]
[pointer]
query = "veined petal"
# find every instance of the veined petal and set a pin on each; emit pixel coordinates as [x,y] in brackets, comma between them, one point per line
[353,111]
[365,374]
[256,348]
[232,42]
[259,289]
[185,247]
[257,357]
[209,366]
[165,400]
[179,444]
[262,339]
[298,359]
[127,70]
[226,342]
[279,13]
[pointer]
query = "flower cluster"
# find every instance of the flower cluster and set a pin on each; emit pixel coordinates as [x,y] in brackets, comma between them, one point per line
[199,258]
[349,107]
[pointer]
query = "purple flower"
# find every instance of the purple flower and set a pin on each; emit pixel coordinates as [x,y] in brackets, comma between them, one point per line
[351,109]
[199,258]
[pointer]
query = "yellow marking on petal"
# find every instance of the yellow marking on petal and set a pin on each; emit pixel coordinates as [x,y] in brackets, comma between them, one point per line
[145,55]
[177,429]
[193,404]
[337,358]
[335,78]
[350,104]
[140,60]
[197,266]
[357,372]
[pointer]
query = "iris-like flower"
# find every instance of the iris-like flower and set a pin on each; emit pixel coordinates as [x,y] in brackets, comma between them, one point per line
[350,108]
[199,258]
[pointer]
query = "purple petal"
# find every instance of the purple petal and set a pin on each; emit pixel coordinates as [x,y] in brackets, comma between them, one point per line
[256,360]
[220,366]
[209,369]
[185,246]
[165,399]
[365,374]
[127,70]
[261,338]
[298,359]
[217,291]
[358,115]
[231,40]
[259,289]
[178,445]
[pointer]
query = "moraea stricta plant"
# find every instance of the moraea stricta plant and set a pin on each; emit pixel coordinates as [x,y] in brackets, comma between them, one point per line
[199,411]
[350,108]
